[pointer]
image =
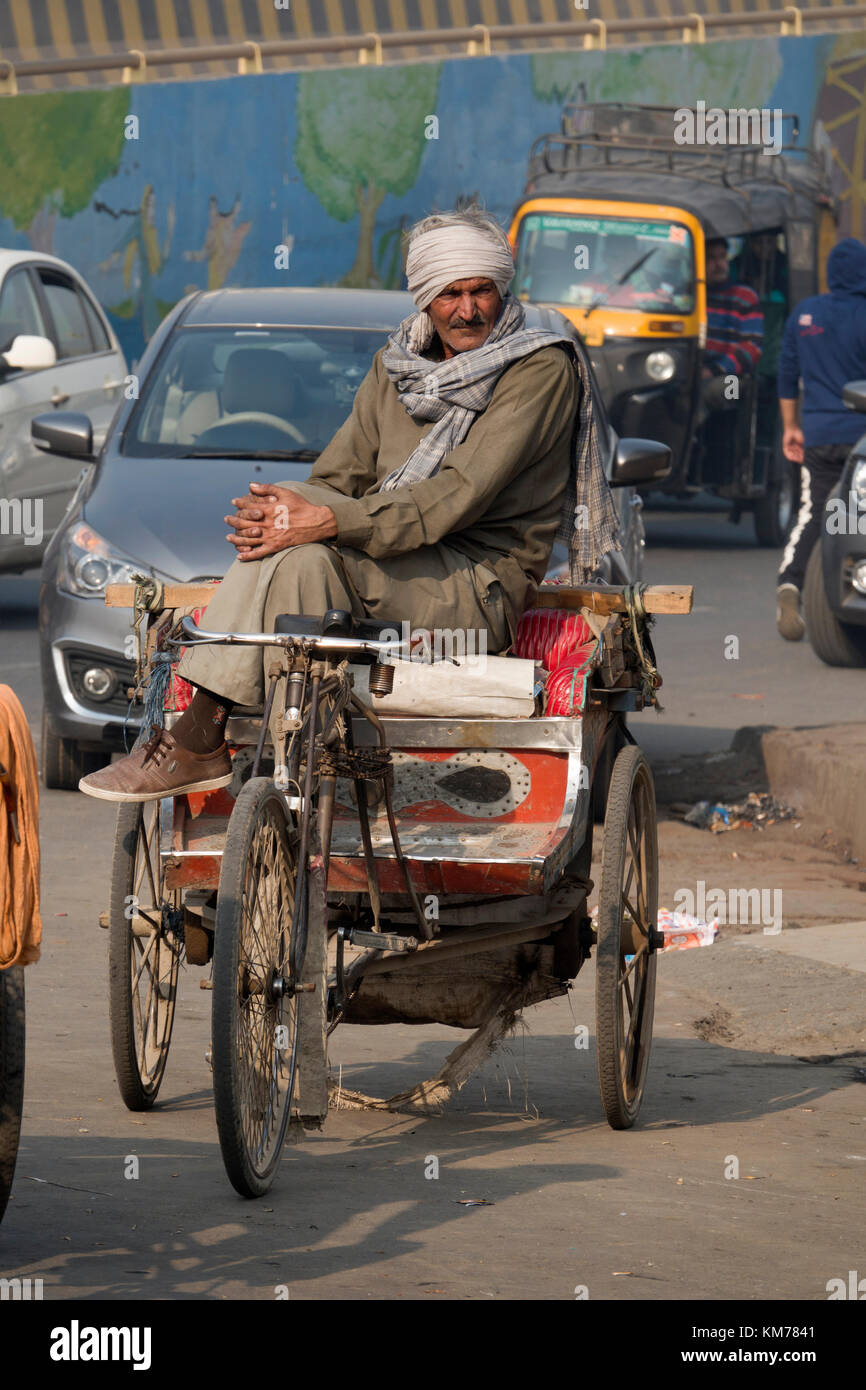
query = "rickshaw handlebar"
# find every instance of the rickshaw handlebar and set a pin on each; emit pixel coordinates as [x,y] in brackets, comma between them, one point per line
[196,636]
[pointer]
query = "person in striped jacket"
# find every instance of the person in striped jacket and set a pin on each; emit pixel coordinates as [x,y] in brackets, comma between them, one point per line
[735,327]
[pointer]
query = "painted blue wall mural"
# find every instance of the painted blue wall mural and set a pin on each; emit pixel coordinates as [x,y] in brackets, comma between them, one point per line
[152,191]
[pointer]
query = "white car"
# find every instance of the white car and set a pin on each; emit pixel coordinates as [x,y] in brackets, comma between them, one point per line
[57,352]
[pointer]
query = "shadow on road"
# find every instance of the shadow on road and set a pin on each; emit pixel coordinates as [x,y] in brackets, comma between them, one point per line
[356,1197]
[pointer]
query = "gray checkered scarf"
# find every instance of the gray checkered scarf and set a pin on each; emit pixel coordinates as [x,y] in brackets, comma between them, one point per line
[451,393]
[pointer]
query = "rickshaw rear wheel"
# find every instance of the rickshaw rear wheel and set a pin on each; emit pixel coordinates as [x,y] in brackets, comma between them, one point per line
[625,975]
[12,1030]
[144,951]
[255,1015]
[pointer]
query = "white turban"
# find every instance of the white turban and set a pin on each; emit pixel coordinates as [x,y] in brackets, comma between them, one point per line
[456,251]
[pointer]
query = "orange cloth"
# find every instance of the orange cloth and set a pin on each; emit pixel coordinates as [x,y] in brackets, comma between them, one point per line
[20,922]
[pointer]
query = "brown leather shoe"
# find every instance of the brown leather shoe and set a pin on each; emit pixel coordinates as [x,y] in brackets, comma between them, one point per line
[159,767]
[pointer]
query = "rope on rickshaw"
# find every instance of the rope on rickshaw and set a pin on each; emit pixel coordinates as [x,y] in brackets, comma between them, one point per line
[639,621]
[148,598]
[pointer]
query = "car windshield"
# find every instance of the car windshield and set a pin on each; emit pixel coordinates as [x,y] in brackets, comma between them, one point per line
[618,262]
[250,392]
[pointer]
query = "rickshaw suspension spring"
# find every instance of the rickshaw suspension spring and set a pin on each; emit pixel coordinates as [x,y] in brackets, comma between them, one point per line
[381,678]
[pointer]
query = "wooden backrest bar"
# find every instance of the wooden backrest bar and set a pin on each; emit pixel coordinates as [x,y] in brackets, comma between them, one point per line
[173,595]
[600,598]
[605,598]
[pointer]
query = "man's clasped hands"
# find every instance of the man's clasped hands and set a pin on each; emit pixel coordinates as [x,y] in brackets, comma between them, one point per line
[270,519]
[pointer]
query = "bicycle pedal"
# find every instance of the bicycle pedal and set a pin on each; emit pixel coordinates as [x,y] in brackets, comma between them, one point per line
[381,940]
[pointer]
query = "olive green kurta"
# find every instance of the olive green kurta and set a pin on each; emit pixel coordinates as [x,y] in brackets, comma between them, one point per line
[461,550]
[496,498]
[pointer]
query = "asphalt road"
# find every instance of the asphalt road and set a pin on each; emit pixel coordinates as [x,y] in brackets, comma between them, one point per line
[707,695]
[652,1213]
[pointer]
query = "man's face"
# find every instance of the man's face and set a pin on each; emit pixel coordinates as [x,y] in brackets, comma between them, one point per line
[464,313]
[763,245]
[717,262]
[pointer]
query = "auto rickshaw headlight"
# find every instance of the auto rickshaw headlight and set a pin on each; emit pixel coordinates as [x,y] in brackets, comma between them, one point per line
[858,483]
[660,366]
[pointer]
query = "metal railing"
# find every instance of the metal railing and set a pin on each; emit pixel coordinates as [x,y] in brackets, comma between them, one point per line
[135,64]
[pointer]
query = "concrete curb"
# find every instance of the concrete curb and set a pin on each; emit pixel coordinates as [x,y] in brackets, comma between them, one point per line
[822,771]
[840,943]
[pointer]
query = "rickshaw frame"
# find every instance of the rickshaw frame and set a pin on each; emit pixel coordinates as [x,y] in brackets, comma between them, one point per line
[347,873]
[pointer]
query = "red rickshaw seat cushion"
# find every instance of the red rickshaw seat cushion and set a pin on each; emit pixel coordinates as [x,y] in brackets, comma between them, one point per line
[565,645]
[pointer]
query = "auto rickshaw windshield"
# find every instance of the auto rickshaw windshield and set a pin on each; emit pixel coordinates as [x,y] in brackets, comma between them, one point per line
[618,262]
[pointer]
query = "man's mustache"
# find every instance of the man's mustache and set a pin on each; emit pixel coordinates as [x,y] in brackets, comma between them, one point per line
[475,322]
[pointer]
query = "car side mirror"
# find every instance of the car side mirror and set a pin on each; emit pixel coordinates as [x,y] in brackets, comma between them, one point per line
[29,353]
[63,432]
[640,461]
[854,395]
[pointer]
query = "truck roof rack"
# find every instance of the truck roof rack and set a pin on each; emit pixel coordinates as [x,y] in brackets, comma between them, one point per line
[621,123]
[619,136]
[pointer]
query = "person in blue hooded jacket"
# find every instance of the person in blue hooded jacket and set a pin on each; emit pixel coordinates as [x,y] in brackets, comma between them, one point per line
[824,347]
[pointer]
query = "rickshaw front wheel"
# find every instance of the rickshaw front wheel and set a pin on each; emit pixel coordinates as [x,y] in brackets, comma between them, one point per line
[255,1012]
[625,974]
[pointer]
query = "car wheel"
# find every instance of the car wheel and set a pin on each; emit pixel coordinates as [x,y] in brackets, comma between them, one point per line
[63,762]
[837,644]
[776,512]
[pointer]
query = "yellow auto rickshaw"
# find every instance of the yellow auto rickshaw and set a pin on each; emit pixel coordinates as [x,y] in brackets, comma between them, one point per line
[613,229]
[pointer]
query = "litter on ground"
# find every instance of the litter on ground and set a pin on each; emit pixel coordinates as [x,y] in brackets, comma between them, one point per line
[756,812]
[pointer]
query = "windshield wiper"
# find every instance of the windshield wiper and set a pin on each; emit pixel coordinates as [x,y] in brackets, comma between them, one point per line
[302,455]
[632,270]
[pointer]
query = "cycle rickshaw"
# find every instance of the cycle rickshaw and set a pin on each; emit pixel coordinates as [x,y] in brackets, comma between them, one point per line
[374,862]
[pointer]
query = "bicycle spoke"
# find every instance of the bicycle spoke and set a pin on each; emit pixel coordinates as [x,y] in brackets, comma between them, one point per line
[148,841]
[154,937]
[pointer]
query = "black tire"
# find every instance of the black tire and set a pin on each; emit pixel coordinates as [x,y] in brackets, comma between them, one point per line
[254,1068]
[63,762]
[624,1019]
[837,644]
[615,739]
[776,512]
[11,1074]
[144,952]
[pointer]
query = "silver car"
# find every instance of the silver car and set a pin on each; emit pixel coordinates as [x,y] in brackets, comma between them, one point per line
[57,351]
[236,384]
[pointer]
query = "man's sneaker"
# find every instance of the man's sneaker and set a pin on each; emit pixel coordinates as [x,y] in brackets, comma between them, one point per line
[789,619]
[159,767]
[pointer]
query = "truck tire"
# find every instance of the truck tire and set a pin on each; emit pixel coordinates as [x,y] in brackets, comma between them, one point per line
[63,762]
[837,644]
[776,512]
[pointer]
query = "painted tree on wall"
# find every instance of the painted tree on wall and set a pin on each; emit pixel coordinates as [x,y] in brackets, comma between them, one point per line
[362,134]
[721,74]
[55,151]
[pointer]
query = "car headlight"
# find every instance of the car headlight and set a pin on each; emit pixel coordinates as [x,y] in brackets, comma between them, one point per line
[88,563]
[660,366]
[858,483]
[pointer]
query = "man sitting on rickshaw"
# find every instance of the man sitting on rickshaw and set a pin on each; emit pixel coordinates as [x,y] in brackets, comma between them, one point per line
[470,447]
